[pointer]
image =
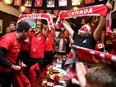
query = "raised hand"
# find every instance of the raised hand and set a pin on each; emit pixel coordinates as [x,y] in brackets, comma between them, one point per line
[109,4]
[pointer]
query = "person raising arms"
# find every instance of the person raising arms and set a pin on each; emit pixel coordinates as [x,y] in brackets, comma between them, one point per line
[85,38]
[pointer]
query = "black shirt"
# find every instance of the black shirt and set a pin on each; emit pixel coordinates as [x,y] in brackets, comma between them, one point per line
[88,42]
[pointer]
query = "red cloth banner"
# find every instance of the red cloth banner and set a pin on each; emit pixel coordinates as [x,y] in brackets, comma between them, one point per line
[94,56]
[32,74]
[20,80]
[109,24]
[62,2]
[56,12]
[38,3]
[89,1]
[89,56]
[38,16]
[96,10]
[17,2]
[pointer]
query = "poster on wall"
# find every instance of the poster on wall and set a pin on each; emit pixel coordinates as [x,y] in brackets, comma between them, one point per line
[28,3]
[76,2]
[38,3]
[1,23]
[17,2]
[50,3]
[62,3]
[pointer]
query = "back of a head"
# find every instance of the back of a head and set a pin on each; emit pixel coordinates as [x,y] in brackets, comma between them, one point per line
[103,75]
[22,25]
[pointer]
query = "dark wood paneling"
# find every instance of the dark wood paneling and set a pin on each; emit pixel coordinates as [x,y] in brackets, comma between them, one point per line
[6,19]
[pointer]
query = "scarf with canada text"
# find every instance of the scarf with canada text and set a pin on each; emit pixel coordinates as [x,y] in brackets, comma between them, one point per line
[45,16]
[96,10]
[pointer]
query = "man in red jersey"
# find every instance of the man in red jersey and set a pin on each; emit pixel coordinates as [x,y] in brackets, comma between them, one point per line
[49,46]
[85,38]
[38,46]
[9,50]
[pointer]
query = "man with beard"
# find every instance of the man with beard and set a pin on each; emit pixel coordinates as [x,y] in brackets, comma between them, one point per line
[85,38]
[9,50]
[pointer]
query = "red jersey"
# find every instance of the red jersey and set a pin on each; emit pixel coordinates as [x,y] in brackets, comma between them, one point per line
[37,46]
[25,44]
[31,35]
[49,42]
[10,42]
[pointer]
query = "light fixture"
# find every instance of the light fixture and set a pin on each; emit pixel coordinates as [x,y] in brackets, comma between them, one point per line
[22,9]
[75,8]
[8,1]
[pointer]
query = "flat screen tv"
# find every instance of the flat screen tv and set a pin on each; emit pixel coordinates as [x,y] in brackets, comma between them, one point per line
[32,22]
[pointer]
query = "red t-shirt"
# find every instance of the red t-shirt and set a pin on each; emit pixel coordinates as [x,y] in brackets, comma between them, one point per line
[38,46]
[31,35]
[10,42]
[25,44]
[49,42]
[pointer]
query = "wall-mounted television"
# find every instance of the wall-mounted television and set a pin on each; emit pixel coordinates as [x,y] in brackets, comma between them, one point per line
[32,22]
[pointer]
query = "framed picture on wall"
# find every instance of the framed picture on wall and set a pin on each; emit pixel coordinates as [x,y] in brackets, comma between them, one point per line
[1,24]
[50,3]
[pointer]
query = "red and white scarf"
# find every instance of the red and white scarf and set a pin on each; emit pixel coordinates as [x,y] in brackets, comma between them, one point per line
[92,56]
[45,16]
[96,10]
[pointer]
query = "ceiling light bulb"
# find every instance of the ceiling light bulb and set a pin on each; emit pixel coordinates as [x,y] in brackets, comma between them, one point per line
[22,9]
[8,1]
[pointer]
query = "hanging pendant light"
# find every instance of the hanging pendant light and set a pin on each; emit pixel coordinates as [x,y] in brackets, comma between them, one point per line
[8,1]
[22,9]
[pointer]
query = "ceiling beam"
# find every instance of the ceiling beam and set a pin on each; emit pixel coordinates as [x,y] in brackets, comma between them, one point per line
[9,9]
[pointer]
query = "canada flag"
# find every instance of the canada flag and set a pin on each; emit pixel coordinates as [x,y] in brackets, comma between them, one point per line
[89,56]
[17,2]
[38,3]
